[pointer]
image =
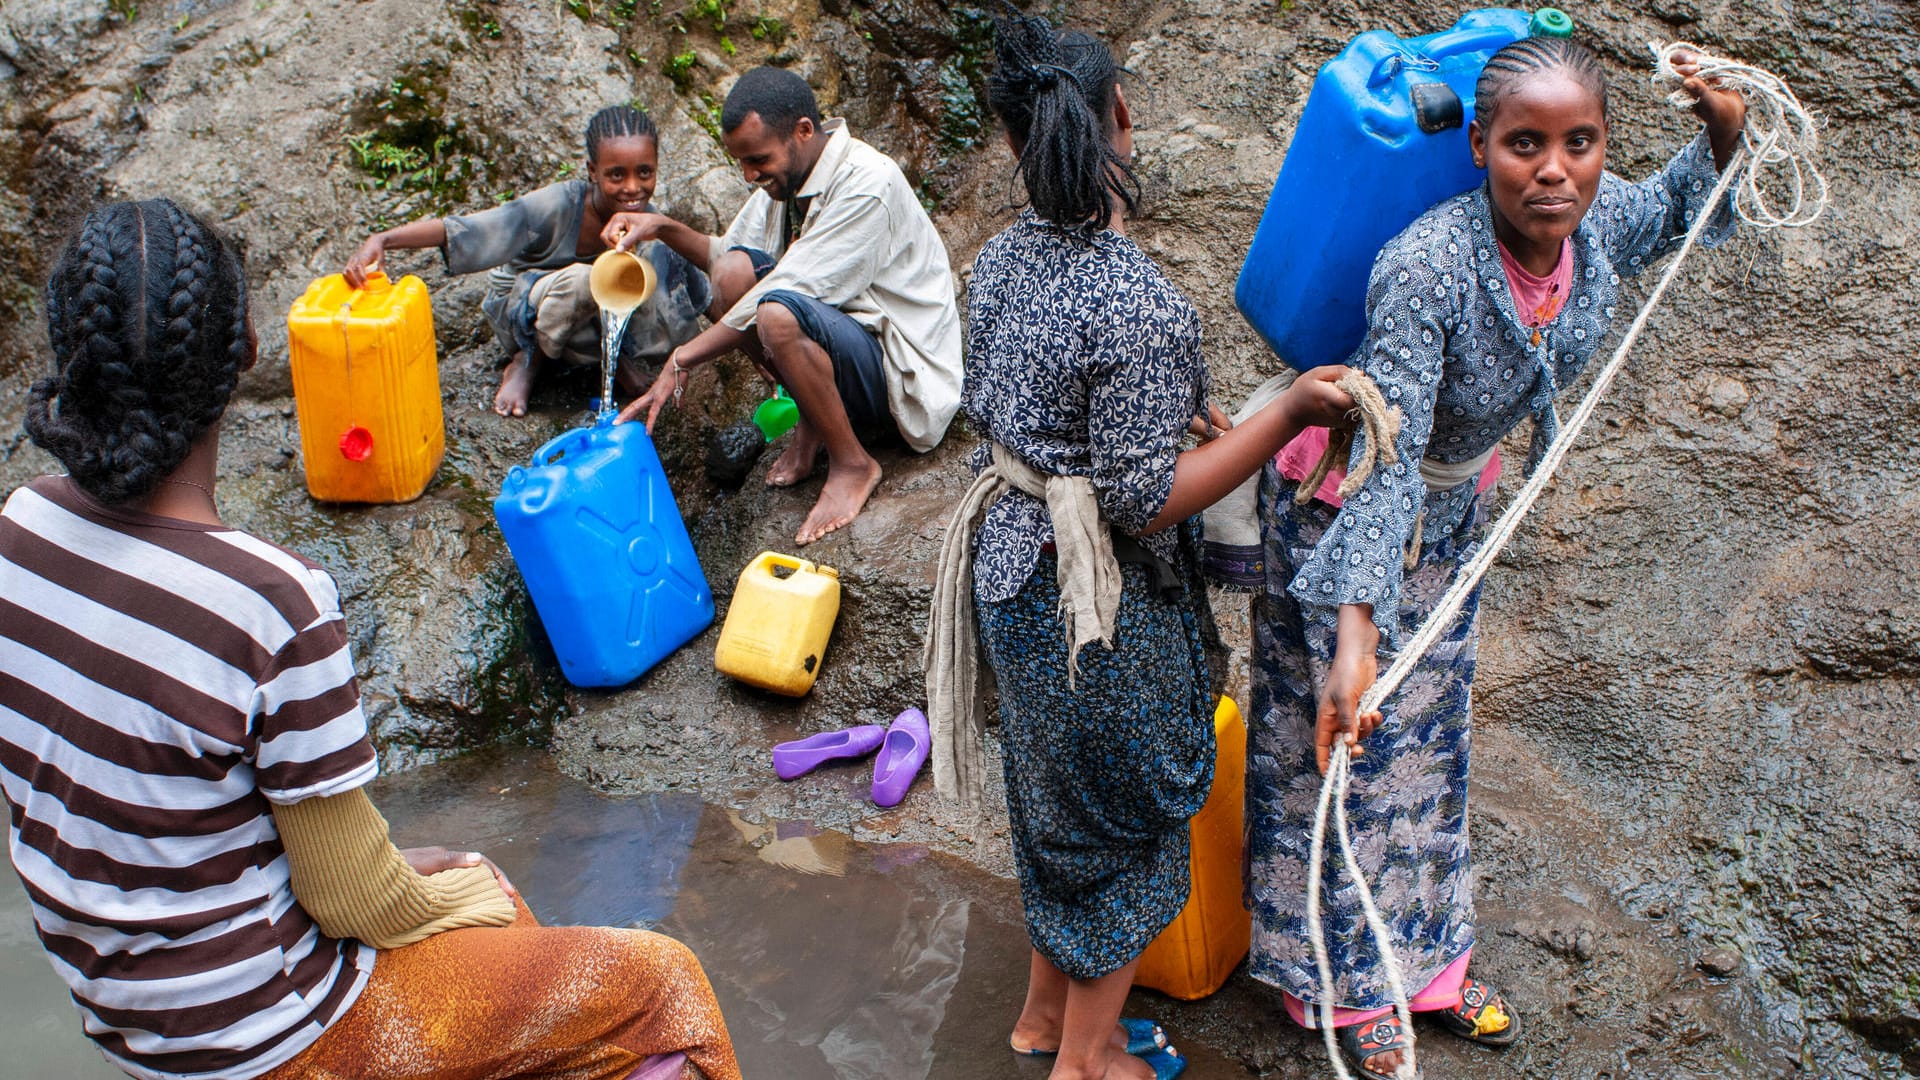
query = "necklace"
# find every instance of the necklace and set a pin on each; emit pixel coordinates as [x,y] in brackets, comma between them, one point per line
[187,483]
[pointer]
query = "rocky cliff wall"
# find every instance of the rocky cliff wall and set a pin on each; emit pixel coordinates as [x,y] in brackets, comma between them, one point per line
[1699,662]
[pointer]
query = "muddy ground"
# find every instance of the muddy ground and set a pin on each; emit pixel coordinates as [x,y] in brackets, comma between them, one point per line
[1698,776]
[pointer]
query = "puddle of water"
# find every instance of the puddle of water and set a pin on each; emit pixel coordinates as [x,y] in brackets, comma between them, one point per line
[832,959]
[40,1035]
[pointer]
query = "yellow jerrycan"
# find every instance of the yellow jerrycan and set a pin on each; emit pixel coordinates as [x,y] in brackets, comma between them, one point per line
[777,626]
[366,385]
[1194,955]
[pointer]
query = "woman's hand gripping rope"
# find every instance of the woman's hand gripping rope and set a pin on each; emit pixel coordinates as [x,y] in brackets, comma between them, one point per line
[1778,138]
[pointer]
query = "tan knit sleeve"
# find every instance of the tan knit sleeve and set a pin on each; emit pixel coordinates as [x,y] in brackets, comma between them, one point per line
[348,875]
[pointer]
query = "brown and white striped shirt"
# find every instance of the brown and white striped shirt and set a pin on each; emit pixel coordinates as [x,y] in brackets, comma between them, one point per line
[160,683]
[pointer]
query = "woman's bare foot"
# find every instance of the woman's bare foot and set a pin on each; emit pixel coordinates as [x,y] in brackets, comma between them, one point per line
[1120,1066]
[516,385]
[848,486]
[1044,1038]
[796,462]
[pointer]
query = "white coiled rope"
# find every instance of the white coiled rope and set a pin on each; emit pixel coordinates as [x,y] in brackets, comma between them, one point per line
[1779,132]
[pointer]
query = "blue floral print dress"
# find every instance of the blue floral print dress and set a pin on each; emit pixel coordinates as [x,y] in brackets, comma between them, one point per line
[1084,360]
[1445,344]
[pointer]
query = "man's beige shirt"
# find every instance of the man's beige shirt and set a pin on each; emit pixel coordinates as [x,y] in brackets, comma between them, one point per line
[868,248]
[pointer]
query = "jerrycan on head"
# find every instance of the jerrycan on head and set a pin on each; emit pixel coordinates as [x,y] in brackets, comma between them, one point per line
[594,529]
[778,624]
[1382,138]
[366,387]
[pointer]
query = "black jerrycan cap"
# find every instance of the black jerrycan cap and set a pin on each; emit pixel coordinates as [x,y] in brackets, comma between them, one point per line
[1436,108]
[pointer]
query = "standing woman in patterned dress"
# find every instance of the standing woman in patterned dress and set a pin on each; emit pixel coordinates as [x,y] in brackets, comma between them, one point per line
[1478,313]
[1084,373]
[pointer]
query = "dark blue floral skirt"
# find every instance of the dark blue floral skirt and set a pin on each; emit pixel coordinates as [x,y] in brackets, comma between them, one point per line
[1101,779]
[1408,802]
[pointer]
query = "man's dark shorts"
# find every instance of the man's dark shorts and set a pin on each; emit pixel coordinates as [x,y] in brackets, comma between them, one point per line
[859,366]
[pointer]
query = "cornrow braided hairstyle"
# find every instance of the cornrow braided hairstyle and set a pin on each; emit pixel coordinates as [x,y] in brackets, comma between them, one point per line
[1055,91]
[618,122]
[1530,55]
[147,317]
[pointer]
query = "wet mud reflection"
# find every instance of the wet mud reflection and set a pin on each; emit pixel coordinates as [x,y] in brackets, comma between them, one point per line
[833,959]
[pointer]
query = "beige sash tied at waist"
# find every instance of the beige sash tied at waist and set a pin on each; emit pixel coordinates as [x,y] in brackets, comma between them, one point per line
[1089,602]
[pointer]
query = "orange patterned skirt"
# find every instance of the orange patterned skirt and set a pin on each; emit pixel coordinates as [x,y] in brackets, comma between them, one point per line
[559,1002]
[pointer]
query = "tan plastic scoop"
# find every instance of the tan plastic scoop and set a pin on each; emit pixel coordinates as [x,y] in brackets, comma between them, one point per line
[621,280]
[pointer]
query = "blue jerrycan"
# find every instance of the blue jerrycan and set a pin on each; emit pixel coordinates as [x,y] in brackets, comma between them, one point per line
[594,529]
[1383,137]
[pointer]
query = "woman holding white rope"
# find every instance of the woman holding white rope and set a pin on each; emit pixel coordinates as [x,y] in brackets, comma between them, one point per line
[1479,313]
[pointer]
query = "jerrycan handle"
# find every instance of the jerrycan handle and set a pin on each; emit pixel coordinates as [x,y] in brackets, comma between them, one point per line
[560,446]
[1467,39]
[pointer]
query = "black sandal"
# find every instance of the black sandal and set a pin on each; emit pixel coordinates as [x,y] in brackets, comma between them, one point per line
[1361,1043]
[1482,1016]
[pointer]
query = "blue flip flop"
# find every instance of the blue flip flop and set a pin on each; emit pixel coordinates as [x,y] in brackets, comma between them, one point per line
[1143,1036]
[1166,1063]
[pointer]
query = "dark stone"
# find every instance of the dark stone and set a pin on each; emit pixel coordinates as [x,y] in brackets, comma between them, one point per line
[732,451]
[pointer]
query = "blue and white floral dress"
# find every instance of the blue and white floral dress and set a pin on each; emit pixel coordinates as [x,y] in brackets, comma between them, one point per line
[1084,360]
[1445,344]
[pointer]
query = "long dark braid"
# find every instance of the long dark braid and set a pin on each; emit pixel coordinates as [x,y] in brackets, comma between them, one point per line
[1055,93]
[618,122]
[1530,55]
[147,316]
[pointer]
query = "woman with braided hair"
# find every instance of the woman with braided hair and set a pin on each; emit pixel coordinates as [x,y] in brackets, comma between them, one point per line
[1479,312]
[183,754]
[1084,372]
[537,248]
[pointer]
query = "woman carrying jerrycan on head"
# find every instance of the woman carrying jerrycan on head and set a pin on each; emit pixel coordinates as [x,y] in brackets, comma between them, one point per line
[538,249]
[183,754]
[1084,373]
[1477,314]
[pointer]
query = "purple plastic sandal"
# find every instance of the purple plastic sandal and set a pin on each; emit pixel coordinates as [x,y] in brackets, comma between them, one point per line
[907,745]
[793,759]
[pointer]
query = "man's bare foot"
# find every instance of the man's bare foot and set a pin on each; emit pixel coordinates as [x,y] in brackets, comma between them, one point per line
[841,500]
[516,385]
[797,460]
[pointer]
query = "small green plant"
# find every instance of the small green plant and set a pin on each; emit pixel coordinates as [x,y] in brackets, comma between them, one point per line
[478,19]
[622,10]
[707,114]
[726,46]
[565,170]
[769,29]
[582,9]
[714,11]
[180,24]
[634,57]
[680,70]
[405,145]
[128,10]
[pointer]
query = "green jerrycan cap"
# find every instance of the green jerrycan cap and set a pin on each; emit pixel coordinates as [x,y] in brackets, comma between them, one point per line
[1550,22]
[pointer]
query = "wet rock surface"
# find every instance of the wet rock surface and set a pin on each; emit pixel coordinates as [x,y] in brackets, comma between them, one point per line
[1697,775]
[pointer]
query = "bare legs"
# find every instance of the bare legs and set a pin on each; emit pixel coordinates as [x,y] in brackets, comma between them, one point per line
[1082,1018]
[806,370]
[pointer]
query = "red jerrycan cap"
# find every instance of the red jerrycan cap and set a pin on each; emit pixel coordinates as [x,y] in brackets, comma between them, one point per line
[356,444]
